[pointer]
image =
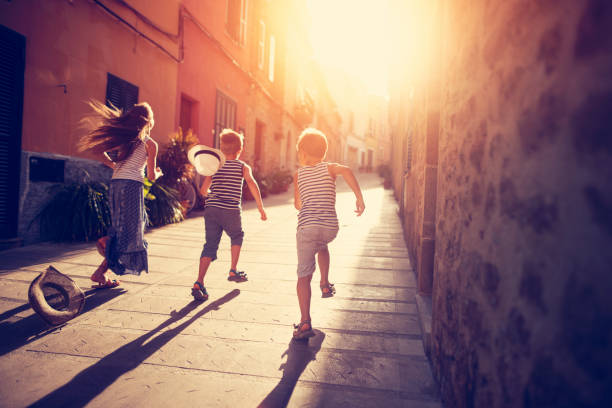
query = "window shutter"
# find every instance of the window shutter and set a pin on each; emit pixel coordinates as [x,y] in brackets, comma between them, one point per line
[12,64]
[225,115]
[120,93]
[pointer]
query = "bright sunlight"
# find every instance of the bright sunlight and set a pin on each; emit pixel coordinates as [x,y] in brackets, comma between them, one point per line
[353,36]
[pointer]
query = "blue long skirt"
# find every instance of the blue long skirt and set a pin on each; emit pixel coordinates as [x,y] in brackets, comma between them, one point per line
[126,250]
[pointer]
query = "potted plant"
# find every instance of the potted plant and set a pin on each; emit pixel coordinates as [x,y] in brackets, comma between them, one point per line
[162,204]
[179,174]
[77,212]
[278,180]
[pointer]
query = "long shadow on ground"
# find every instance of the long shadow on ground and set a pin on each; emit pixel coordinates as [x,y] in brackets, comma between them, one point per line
[17,333]
[299,355]
[92,381]
[42,253]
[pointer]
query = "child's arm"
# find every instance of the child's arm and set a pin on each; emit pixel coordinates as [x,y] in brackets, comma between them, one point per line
[248,176]
[338,169]
[153,172]
[205,186]
[297,202]
[106,160]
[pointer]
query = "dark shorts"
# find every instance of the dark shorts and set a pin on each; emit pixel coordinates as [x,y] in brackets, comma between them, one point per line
[217,220]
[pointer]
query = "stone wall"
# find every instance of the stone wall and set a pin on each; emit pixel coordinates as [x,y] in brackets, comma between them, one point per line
[34,195]
[522,304]
[416,220]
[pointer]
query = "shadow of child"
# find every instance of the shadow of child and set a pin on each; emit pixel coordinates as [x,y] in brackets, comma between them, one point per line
[93,380]
[299,354]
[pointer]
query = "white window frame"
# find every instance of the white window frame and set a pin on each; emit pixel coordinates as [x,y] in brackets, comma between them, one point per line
[271,59]
[261,45]
[243,21]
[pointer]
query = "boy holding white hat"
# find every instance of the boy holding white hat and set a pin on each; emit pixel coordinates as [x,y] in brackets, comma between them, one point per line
[223,206]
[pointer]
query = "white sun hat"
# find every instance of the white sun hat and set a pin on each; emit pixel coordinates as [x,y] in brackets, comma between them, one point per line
[206,160]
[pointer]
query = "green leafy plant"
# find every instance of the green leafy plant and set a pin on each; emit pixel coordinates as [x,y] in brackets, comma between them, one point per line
[173,160]
[162,205]
[77,212]
[178,172]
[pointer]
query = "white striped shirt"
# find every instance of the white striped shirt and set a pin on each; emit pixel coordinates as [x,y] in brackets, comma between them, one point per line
[317,189]
[226,186]
[133,167]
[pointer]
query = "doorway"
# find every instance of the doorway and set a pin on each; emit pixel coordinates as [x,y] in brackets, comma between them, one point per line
[259,135]
[12,65]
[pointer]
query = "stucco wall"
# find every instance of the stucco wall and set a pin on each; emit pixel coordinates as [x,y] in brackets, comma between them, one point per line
[70,48]
[522,311]
[206,70]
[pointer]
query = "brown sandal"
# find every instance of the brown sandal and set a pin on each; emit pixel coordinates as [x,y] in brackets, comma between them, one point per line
[328,290]
[300,332]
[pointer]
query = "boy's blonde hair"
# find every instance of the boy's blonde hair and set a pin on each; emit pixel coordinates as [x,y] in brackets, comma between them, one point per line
[312,142]
[230,141]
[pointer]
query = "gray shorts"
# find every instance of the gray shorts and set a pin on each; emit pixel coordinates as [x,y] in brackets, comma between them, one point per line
[311,240]
[217,220]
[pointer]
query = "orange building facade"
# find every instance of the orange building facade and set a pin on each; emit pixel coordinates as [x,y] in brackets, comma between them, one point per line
[202,65]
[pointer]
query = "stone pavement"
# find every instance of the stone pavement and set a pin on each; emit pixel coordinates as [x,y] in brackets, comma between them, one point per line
[147,343]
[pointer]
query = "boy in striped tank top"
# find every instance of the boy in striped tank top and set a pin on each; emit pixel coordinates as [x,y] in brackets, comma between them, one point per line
[315,198]
[223,209]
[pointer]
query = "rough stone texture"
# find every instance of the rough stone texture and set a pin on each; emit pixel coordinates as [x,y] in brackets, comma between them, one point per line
[33,195]
[521,305]
[420,194]
[522,313]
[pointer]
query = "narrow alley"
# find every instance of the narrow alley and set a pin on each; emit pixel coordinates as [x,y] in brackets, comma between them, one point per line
[147,343]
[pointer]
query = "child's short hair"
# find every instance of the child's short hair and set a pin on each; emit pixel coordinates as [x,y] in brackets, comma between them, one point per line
[230,141]
[313,142]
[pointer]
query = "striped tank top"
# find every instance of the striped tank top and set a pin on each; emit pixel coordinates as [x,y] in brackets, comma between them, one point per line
[226,186]
[133,167]
[317,190]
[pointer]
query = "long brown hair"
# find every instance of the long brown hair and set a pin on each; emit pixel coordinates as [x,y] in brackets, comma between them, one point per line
[116,130]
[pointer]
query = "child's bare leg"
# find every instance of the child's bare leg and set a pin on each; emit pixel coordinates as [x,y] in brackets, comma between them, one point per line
[99,275]
[235,250]
[101,245]
[304,294]
[204,264]
[323,261]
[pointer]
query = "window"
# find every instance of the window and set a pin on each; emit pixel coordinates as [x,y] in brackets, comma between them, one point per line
[188,118]
[259,136]
[235,20]
[120,93]
[243,22]
[225,115]
[261,45]
[271,62]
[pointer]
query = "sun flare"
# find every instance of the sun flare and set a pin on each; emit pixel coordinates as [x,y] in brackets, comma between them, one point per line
[352,36]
